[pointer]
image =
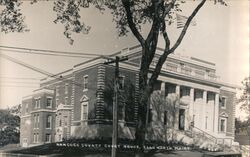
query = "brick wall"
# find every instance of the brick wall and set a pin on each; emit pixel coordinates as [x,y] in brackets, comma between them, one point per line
[90,93]
[229,110]
[130,80]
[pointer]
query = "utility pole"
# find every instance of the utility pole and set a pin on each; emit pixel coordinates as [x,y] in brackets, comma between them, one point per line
[115,104]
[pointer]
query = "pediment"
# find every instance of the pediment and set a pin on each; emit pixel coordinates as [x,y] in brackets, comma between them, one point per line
[84,98]
[224,114]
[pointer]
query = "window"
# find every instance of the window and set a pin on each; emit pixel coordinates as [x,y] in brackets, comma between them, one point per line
[210,97]
[36,103]
[66,88]
[66,100]
[65,120]
[39,103]
[198,94]
[60,122]
[223,125]
[57,102]
[84,111]
[49,102]
[184,91]
[85,82]
[60,137]
[121,82]
[57,91]
[48,138]
[35,137]
[223,102]
[36,121]
[26,108]
[48,122]
[170,89]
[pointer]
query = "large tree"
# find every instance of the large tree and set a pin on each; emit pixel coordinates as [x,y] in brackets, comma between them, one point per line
[128,15]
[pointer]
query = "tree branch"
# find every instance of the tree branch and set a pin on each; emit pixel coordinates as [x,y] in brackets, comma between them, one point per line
[184,30]
[168,51]
[132,26]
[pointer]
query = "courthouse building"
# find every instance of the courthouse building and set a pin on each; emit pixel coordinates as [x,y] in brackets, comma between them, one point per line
[78,102]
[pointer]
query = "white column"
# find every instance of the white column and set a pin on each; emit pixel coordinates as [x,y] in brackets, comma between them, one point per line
[177,90]
[216,113]
[163,88]
[191,106]
[203,115]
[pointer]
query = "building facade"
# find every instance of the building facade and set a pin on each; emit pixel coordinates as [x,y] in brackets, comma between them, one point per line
[78,102]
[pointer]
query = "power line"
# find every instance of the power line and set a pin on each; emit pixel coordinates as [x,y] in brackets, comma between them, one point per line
[25,65]
[19,78]
[39,70]
[49,52]
[13,86]
[18,82]
[46,54]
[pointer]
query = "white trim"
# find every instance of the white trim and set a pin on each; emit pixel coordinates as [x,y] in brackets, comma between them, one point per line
[43,91]
[43,110]
[26,116]
[84,98]
[224,114]
[47,83]
[65,74]
[88,64]
[27,97]
[230,89]
[188,84]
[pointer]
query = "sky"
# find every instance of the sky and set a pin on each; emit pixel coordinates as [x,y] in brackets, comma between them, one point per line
[221,36]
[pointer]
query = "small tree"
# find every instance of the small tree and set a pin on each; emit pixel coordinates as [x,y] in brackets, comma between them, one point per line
[244,100]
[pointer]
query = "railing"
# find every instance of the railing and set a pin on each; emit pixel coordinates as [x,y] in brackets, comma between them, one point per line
[216,140]
[205,134]
[188,71]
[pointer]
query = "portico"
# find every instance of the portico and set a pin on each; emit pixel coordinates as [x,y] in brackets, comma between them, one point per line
[197,103]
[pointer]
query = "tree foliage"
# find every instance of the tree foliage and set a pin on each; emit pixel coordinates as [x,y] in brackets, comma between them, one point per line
[9,128]
[128,15]
[126,100]
[11,18]
[244,100]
